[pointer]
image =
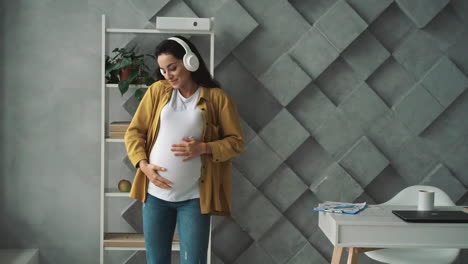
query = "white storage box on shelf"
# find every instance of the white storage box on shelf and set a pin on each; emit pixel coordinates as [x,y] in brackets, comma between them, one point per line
[183,23]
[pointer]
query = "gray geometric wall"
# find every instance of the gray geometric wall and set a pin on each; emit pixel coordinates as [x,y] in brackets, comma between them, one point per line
[340,100]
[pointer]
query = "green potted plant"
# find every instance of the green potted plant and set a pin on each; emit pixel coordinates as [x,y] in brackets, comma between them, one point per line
[126,68]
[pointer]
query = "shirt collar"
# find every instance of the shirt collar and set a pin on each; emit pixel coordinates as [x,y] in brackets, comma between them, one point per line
[168,89]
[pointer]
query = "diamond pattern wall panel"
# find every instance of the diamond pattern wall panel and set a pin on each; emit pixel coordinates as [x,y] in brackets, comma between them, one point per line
[442,177]
[133,215]
[445,27]
[274,134]
[392,181]
[254,255]
[363,161]
[413,161]
[274,34]
[391,27]
[229,34]
[445,81]
[349,100]
[313,62]
[417,53]
[311,107]
[136,258]
[421,11]
[389,134]
[282,241]
[338,81]
[331,137]
[460,7]
[243,189]
[321,243]
[336,185]
[456,160]
[363,106]
[365,55]
[229,241]
[307,254]
[391,81]
[258,216]
[283,187]
[255,114]
[306,223]
[369,10]
[442,136]
[258,161]
[341,25]
[285,79]
[312,13]
[175,8]
[148,7]
[309,161]
[418,109]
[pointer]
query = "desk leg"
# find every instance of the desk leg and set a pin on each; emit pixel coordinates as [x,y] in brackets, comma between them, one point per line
[337,253]
[353,255]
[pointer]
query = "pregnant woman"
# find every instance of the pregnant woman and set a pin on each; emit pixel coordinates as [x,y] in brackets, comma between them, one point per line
[181,139]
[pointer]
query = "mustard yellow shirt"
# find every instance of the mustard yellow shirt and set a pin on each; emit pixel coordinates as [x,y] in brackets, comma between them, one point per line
[221,130]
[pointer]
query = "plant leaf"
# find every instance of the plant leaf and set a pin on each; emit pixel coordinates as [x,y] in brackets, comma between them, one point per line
[125,63]
[139,94]
[133,76]
[149,81]
[123,86]
[111,68]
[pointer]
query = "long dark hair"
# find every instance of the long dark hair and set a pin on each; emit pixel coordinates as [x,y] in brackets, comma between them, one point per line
[201,76]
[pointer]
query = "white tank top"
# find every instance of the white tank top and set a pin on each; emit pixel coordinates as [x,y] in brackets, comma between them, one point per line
[180,118]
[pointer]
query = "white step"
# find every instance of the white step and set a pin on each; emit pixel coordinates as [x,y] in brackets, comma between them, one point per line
[19,256]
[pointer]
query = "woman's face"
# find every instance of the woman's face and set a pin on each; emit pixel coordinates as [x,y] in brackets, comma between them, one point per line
[174,71]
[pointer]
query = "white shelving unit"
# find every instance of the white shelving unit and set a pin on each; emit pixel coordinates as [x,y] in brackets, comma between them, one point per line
[128,241]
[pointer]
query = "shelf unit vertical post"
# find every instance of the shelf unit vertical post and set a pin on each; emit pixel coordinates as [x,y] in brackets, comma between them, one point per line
[103,238]
[212,36]
[103,136]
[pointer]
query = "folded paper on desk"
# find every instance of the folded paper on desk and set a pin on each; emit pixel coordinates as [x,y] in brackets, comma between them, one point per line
[341,208]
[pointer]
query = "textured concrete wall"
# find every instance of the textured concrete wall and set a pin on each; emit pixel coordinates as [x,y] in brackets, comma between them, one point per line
[340,100]
[50,145]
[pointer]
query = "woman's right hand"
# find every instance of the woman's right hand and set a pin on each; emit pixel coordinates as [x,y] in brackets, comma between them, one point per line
[151,172]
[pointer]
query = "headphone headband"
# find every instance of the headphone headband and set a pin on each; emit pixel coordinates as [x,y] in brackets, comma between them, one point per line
[182,43]
[190,60]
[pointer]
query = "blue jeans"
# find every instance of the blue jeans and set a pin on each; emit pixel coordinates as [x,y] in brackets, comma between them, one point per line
[159,220]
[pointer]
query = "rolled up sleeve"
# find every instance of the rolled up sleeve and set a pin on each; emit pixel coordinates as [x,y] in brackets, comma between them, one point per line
[231,142]
[135,137]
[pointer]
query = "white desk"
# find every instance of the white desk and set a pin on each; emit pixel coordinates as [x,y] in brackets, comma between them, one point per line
[377,227]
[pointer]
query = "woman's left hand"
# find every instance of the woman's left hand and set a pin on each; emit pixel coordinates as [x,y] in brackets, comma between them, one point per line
[190,148]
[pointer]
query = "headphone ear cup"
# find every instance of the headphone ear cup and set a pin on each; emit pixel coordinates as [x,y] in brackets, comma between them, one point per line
[191,62]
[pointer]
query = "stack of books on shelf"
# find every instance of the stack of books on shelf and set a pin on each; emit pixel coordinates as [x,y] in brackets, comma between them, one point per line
[340,207]
[118,129]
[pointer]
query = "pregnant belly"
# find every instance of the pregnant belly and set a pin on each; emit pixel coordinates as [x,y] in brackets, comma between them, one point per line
[182,174]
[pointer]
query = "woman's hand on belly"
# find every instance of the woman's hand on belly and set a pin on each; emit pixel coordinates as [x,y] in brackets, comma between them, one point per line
[151,172]
[190,148]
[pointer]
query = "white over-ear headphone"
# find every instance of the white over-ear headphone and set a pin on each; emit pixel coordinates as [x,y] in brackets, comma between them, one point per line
[190,60]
